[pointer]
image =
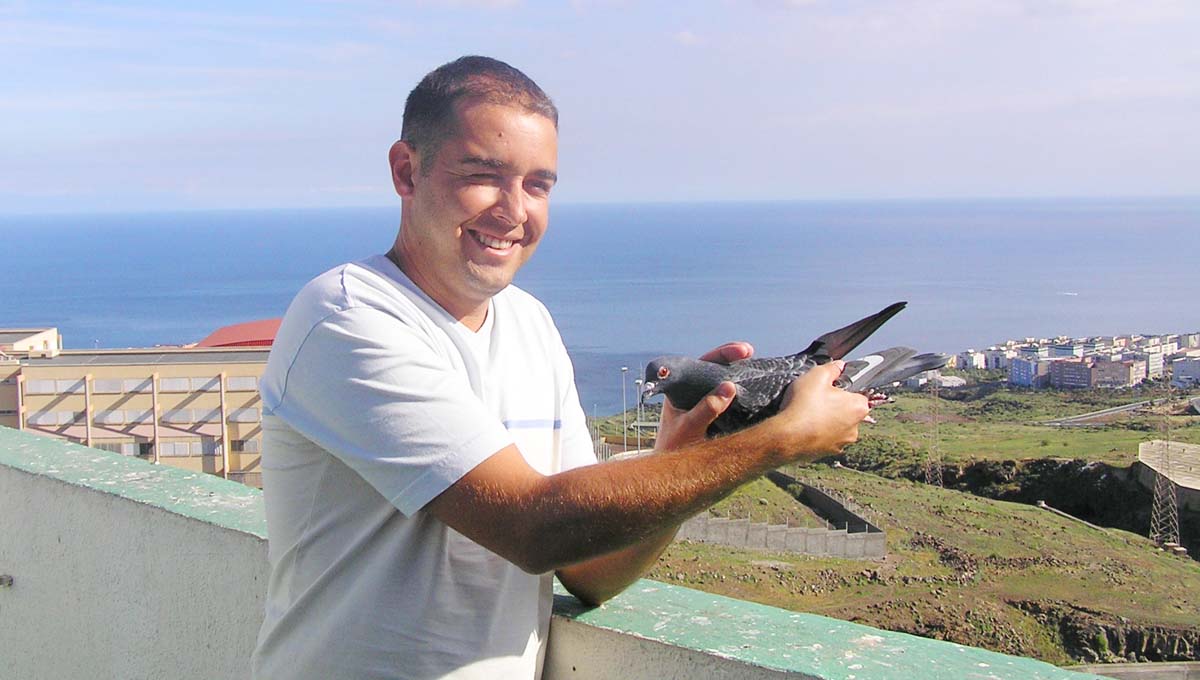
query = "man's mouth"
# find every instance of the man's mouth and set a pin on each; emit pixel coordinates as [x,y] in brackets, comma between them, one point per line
[490,241]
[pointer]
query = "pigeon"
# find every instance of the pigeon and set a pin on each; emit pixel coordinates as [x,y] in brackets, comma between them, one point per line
[761,382]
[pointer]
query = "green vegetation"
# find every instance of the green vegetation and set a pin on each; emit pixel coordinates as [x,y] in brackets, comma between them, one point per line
[762,501]
[991,421]
[960,568]
[1005,576]
[994,422]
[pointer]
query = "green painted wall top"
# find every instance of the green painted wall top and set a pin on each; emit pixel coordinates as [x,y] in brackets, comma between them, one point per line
[781,640]
[192,494]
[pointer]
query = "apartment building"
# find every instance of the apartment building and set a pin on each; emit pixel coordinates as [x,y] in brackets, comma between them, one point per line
[21,341]
[1034,351]
[193,408]
[1029,371]
[971,359]
[1067,349]
[1186,372]
[1117,373]
[998,358]
[1071,374]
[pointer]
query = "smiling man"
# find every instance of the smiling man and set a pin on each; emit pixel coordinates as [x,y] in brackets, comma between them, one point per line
[427,468]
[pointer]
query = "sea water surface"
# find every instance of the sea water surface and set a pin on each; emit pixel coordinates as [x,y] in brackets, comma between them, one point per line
[628,282]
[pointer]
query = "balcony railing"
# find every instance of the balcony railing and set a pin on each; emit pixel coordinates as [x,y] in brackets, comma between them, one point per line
[111,567]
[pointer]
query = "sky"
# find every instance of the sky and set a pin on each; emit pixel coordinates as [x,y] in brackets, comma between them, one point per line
[120,106]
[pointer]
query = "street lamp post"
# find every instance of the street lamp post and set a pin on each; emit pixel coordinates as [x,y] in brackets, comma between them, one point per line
[637,423]
[624,408]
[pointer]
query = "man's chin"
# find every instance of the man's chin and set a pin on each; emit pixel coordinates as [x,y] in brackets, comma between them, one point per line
[489,283]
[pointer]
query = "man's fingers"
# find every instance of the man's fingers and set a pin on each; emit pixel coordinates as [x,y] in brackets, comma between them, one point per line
[825,373]
[729,352]
[712,405]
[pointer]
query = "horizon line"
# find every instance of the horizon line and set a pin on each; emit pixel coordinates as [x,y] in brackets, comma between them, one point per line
[568,203]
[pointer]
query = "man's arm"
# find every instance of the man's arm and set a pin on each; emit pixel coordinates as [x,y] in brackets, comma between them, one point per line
[600,578]
[542,523]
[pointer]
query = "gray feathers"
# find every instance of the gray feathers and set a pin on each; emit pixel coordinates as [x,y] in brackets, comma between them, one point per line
[761,382]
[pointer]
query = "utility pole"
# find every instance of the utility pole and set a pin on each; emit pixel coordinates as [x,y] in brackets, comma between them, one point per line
[624,409]
[637,422]
[1164,513]
[933,462]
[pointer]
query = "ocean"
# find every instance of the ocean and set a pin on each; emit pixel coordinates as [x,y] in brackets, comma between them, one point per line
[628,282]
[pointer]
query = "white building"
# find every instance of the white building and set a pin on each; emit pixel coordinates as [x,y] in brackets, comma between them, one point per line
[1186,372]
[972,359]
[998,358]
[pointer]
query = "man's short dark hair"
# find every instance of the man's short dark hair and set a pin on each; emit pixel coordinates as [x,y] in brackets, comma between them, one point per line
[429,111]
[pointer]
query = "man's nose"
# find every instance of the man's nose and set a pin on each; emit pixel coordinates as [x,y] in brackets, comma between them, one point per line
[510,204]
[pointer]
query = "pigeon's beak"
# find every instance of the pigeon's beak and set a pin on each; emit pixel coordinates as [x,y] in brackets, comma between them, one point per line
[648,390]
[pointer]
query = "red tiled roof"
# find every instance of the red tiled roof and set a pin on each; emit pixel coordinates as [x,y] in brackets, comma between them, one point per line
[259,333]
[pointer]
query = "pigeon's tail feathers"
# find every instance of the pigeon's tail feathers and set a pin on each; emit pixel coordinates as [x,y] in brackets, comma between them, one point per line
[913,366]
[887,367]
[837,344]
[859,374]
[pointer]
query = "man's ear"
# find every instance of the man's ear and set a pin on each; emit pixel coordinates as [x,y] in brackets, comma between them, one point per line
[403,159]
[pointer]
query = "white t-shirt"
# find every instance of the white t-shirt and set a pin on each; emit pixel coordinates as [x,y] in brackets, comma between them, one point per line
[376,401]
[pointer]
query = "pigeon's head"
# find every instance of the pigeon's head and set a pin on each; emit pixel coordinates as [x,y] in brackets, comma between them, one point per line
[684,380]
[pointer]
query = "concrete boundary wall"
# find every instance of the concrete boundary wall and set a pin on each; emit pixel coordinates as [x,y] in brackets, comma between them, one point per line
[122,570]
[106,586]
[1187,670]
[858,537]
[743,534]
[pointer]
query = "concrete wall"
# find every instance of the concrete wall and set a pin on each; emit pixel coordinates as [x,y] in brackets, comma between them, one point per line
[1144,671]
[126,570]
[1189,499]
[851,536]
[105,587]
[743,534]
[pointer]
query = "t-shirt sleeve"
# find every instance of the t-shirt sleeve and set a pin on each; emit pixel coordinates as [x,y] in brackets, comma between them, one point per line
[376,394]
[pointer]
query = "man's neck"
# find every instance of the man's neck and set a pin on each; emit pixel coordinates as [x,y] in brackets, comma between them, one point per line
[471,317]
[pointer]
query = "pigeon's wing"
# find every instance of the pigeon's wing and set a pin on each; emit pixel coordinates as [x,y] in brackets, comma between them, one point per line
[860,374]
[757,398]
[839,343]
[755,394]
[748,369]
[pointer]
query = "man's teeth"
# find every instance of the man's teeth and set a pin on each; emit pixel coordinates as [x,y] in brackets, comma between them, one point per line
[490,242]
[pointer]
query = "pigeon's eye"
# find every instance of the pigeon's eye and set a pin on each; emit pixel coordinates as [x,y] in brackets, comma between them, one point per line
[664,373]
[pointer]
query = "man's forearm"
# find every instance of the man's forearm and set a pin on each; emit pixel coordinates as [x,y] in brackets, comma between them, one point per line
[600,578]
[610,506]
[547,523]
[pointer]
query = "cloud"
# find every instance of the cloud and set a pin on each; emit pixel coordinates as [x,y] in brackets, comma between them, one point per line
[686,37]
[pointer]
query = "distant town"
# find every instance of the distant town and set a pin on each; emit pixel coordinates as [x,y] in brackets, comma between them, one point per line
[1108,361]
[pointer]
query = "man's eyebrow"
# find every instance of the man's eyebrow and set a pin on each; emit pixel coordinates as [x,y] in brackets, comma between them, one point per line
[493,163]
[497,164]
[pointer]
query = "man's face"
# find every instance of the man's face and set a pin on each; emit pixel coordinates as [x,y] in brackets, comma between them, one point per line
[475,212]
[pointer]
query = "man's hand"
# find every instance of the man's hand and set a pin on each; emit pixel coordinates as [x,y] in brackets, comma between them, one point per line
[819,417]
[678,428]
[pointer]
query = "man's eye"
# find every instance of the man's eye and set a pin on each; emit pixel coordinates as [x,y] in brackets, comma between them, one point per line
[540,188]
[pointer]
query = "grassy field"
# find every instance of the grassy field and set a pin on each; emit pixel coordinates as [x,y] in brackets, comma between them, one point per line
[1003,424]
[959,568]
[989,421]
[762,501]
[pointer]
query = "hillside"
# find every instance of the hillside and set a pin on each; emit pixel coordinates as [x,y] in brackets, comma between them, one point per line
[1005,576]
